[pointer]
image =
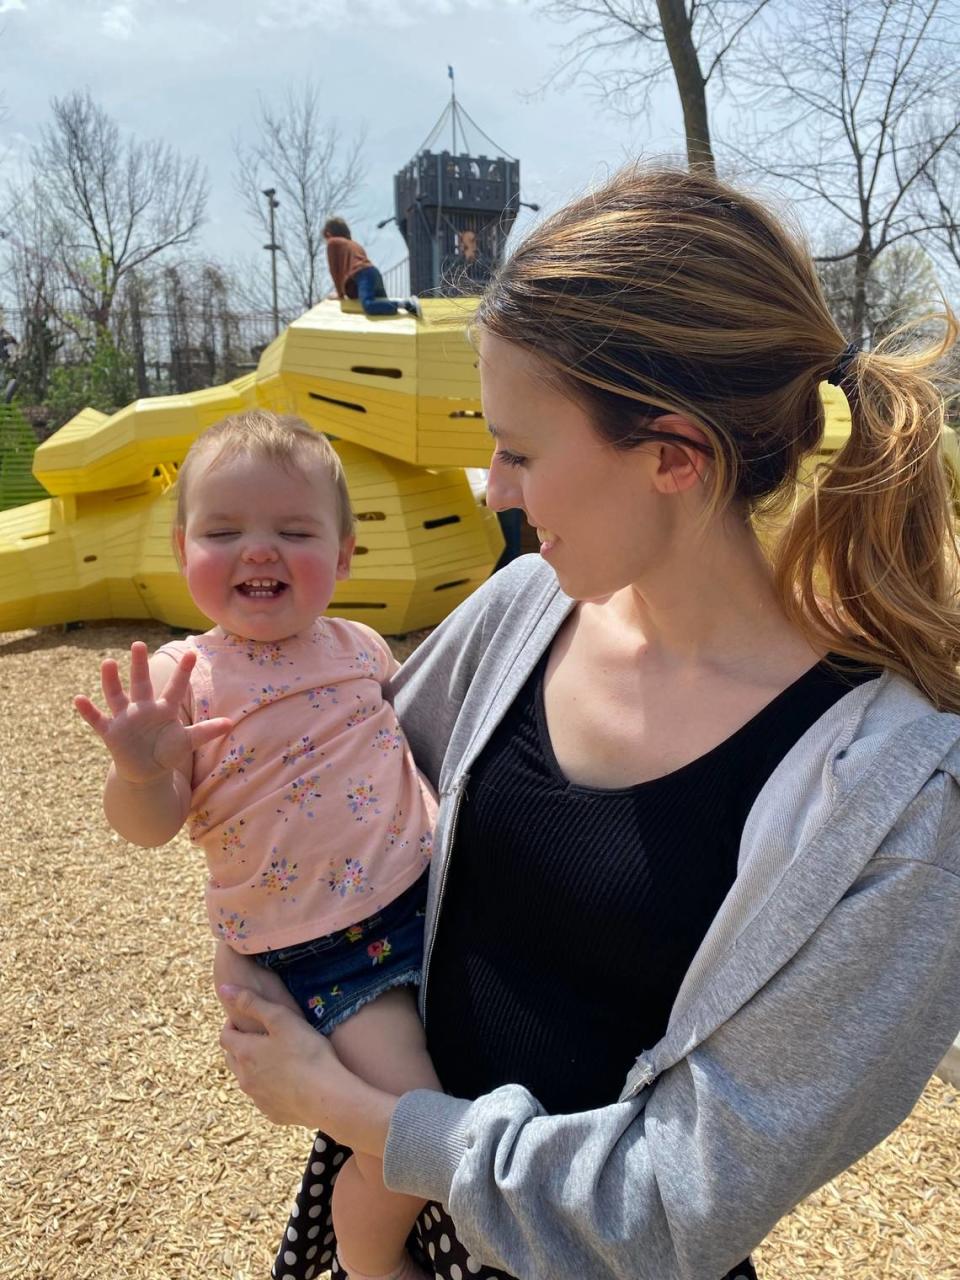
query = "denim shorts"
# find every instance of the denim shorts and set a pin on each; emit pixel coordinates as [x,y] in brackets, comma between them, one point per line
[332,977]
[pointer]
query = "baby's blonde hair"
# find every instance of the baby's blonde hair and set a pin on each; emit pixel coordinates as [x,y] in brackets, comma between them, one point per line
[279,438]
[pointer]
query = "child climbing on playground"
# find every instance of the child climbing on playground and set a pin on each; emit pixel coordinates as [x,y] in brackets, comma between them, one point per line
[355,276]
[270,737]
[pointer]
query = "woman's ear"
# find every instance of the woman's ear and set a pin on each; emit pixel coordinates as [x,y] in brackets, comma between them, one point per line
[680,466]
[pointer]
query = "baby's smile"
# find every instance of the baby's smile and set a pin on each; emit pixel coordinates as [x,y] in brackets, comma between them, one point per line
[261,588]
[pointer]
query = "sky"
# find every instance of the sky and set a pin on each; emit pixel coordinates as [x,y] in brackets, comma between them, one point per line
[190,72]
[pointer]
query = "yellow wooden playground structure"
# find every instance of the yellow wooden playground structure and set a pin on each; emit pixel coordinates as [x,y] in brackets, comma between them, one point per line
[400,398]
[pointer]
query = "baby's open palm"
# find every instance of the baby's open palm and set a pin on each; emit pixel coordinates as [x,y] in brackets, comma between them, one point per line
[143,731]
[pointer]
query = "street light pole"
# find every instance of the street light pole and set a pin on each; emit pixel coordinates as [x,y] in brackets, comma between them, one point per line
[272,203]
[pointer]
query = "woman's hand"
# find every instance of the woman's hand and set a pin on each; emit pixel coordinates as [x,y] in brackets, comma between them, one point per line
[294,1076]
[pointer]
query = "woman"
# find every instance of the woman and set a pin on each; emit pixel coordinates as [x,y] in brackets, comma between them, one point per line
[692,941]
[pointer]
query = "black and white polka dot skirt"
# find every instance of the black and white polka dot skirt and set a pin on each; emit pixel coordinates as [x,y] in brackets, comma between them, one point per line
[309,1245]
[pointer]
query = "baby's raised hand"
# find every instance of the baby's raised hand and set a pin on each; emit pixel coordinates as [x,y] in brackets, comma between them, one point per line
[144,732]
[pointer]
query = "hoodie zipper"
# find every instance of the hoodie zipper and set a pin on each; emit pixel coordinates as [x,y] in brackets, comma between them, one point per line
[428,956]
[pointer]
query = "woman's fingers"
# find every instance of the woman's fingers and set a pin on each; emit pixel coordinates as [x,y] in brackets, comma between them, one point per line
[247,1004]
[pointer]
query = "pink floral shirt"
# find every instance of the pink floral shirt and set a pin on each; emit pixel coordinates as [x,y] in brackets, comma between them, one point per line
[312,812]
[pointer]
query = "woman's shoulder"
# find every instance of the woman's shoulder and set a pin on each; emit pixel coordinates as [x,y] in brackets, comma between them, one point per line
[878,746]
[525,585]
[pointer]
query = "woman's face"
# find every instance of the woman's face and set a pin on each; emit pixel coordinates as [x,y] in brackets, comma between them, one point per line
[606,518]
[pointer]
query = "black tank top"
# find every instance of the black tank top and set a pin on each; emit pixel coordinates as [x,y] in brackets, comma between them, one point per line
[571,914]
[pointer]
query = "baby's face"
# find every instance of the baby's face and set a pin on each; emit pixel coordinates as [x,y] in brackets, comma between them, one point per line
[261,548]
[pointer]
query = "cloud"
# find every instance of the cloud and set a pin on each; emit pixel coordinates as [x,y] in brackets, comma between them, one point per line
[8,6]
[299,14]
[118,21]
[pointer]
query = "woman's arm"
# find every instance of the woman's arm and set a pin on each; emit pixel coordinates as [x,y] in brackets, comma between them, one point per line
[805,1075]
[810,1074]
[813,1071]
[295,1077]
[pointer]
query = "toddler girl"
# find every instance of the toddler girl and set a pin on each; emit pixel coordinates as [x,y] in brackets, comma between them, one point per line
[270,737]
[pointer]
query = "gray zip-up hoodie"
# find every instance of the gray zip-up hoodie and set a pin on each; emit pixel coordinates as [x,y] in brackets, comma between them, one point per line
[821,1000]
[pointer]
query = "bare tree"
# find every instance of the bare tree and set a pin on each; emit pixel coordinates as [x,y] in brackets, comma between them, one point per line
[941,186]
[112,203]
[899,292]
[870,102]
[315,173]
[691,39]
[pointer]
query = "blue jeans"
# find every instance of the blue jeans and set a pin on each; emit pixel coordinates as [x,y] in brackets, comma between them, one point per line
[372,294]
[333,976]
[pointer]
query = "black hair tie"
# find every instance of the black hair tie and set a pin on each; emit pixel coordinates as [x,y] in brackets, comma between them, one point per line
[842,365]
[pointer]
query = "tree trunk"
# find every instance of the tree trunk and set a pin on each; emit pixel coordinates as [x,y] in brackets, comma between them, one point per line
[862,264]
[677,33]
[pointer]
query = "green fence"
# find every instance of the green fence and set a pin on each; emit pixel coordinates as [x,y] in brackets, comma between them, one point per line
[17,447]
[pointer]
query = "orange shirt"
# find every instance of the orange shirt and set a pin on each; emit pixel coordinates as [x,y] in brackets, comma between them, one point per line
[345,258]
[311,812]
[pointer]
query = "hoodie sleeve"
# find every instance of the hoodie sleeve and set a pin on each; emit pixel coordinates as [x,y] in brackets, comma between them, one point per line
[808,1075]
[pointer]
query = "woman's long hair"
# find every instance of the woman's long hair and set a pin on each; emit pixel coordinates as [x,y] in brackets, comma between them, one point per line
[668,291]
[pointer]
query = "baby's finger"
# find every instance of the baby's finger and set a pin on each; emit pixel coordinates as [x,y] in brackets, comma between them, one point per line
[113,691]
[91,713]
[175,689]
[141,686]
[204,732]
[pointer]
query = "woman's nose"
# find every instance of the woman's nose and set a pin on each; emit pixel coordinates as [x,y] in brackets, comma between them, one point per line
[503,492]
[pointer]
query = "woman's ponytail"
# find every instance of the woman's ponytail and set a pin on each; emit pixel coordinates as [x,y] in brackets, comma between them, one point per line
[868,564]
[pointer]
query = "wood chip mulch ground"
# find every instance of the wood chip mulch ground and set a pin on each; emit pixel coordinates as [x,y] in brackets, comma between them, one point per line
[128,1152]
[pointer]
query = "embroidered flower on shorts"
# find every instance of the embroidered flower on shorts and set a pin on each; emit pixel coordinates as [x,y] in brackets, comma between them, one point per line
[354,933]
[378,951]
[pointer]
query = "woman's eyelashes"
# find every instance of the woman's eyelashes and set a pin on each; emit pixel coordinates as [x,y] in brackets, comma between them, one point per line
[510,459]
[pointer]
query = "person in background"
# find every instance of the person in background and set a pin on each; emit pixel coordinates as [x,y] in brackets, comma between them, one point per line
[355,276]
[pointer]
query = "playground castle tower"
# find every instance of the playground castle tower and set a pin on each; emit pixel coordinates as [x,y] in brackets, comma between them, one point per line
[455,209]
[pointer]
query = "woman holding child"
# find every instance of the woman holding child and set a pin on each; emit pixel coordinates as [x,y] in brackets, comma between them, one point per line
[692,941]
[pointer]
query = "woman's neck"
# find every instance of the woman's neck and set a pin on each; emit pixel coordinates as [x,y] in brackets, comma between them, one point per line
[713,605]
